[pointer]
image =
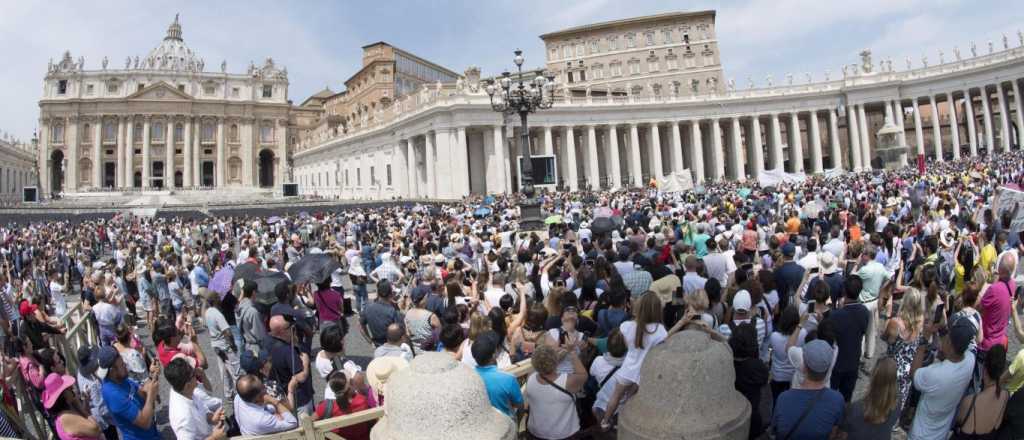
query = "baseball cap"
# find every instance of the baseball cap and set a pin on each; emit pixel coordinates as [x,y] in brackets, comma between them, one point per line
[87,359]
[818,356]
[741,301]
[961,333]
[788,249]
[26,308]
[106,357]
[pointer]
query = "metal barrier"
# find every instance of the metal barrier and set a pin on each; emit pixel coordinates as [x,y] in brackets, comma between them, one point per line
[81,330]
[322,429]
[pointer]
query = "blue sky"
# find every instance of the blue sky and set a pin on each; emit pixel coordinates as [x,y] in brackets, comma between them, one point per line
[319,41]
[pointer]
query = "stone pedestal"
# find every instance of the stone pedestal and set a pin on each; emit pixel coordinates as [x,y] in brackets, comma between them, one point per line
[890,153]
[686,392]
[437,398]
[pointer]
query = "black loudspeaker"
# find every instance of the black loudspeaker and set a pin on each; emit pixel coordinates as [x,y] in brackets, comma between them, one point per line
[290,189]
[30,194]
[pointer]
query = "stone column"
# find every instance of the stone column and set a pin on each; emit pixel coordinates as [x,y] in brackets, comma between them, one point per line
[412,183]
[44,156]
[197,153]
[657,170]
[972,131]
[897,109]
[460,163]
[570,159]
[281,133]
[716,151]
[986,108]
[549,145]
[853,128]
[697,153]
[145,153]
[865,138]
[71,158]
[169,141]
[503,160]
[1020,109]
[634,156]
[1004,117]
[613,154]
[97,153]
[593,168]
[936,128]
[816,162]
[677,148]
[756,147]
[918,129]
[796,148]
[954,126]
[735,146]
[119,145]
[430,161]
[129,153]
[833,139]
[186,154]
[776,142]
[221,160]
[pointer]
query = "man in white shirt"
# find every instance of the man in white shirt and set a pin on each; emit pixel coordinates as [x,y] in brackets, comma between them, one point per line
[810,259]
[942,384]
[257,412]
[60,305]
[692,281]
[188,418]
[718,264]
[394,347]
[495,290]
[836,246]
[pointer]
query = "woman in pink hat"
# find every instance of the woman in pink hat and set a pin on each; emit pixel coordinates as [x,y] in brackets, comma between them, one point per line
[70,419]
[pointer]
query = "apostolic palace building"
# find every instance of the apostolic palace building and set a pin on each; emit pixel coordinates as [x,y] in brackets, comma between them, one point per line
[636,99]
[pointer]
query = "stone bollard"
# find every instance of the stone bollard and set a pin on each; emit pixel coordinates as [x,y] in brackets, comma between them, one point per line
[438,398]
[686,392]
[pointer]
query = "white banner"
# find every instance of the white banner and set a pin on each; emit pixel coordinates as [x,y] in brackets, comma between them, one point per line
[778,175]
[1006,201]
[676,182]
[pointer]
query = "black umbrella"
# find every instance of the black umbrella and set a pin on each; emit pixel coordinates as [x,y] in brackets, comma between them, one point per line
[266,284]
[602,225]
[618,221]
[245,271]
[313,267]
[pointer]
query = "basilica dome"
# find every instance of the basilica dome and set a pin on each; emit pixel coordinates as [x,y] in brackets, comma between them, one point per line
[172,53]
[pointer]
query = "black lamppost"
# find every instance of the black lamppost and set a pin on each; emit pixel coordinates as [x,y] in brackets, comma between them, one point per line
[516,97]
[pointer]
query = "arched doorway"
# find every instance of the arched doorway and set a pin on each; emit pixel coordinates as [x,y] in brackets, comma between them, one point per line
[266,169]
[137,179]
[56,171]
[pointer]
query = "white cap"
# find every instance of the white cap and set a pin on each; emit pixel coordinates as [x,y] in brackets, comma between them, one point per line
[741,301]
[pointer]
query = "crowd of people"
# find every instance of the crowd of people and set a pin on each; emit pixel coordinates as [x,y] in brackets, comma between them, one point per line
[907,281]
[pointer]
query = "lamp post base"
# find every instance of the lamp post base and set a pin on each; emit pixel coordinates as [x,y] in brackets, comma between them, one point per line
[529,219]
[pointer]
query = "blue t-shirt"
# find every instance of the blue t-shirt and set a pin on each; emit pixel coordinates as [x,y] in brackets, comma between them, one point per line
[125,403]
[817,425]
[502,388]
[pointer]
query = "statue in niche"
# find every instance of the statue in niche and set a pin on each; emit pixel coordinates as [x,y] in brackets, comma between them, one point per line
[991,48]
[713,84]
[675,89]
[1006,42]
[924,60]
[942,57]
[888,63]
[460,86]
[865,60]
[956,53]
[828,73]
[49,66]
[846,71]
[81,62]
[104,62]
[974,49]
[202,64]
[223,66]
[789,78]
[732,85]
[437,87]
[768,80]
[424,94]
[587,91]
[909,66]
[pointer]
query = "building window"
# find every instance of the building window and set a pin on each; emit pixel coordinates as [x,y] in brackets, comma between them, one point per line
[179,133]
[686,38]
[649,38]
[373,175]
[553,54]
[209,89]
[666,36]
[597,72]
[388,169]
[141,86]
[359,177]
[234,92]
[346,177]
[634,67]
[583,75]
[579,50]
[233,133]
[112,88]
[268,91]
[616,69]
[57,134]
[652,65]
[109,132]
[566,51]
[630,41]
[88,89]
[709,59]
[266,133]
[208,131]
[672,62]
[569,77]
[62,87]
[157,132]
[613,43]
[593,47]
[137,133]
[181,88]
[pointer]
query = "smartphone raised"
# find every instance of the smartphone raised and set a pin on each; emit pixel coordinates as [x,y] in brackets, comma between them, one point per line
[939,311]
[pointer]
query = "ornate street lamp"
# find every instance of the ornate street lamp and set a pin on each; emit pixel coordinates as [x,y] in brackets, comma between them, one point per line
[517,97]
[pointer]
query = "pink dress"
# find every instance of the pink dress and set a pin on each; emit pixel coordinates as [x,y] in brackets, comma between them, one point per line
[63,435]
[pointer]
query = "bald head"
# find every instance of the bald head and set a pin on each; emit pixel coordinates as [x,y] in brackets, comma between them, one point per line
[249,388]
[395,333]
[279,326]
[1007,265]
